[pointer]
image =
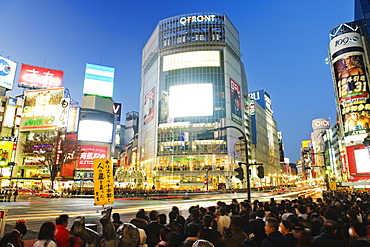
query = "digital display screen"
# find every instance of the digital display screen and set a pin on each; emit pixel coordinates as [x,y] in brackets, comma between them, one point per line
[191,100]
[191,60]
[99,80]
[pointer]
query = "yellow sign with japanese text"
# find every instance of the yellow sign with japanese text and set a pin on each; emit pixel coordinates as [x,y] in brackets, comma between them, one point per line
[103,182]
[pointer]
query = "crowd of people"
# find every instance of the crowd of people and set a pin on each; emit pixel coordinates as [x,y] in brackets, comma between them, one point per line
[6,195]
[337,219]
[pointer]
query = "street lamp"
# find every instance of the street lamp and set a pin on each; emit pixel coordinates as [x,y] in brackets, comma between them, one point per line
[243,138]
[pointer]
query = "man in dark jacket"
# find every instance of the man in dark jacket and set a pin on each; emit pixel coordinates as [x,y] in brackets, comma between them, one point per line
[274,238]
[258,227]
[329,236]
[153,229]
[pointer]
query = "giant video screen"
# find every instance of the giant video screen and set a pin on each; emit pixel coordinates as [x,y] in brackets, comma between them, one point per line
[191,100]
[99,80]
[95,131]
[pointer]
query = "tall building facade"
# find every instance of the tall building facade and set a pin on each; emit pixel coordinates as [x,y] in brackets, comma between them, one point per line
[265,143]
[193,81]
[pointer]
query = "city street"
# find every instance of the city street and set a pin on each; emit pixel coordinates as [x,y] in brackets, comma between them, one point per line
[36,210]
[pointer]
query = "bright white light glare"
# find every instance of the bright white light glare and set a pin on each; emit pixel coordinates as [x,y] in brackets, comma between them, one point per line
[191,100]
[191,59]
[96,131]
[362,160]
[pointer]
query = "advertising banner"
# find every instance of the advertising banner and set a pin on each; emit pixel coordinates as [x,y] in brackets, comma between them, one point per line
[99,80]
[44,102]
[149,106]
[89,153]
[7,73]
[191,59]
[38,77]
[236,102]
[351,82]
[103,182]
[38,122]
[9,114]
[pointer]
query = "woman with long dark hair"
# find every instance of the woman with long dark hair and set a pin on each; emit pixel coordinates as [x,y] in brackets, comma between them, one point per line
[46,236]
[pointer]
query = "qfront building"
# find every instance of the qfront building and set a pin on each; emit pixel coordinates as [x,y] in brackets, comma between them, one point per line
[193,82]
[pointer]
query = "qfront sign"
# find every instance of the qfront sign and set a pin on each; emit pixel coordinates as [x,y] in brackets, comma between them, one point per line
[197,18]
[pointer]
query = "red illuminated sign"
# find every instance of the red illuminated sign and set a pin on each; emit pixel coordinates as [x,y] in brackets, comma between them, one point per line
[37,77]
[89,153]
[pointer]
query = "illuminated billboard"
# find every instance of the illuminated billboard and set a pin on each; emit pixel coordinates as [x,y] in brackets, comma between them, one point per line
[7,72]
[44,102]
[351,83]
[38,77]
[89,153]
[96,131]
[99,80]
[262,98]
[149,106]
[236,102]
[191,100]
[191,59]
[9,114]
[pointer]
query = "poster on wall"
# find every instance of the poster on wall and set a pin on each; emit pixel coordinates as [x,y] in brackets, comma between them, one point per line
[149,106]
[236,102]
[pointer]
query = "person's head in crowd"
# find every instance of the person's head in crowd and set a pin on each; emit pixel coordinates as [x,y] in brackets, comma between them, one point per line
[202,212]
[153,215]
[192,230]
[302,209]
[212,210]
[116,217]
[236,223]
[20,226]
[62,220]
[275,211]
[162,219]
[260,213]
[271,225]
[222,210]
[285,227]
[207,221]
[194,214]
[330,227]
[352,215]
[311,209]
[357,230]
[172,216]
[141,214]
[47,231]
[176,209]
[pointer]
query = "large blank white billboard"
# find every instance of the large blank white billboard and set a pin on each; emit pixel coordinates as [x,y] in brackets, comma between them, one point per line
[362,160]
[96,131]
[191,100]
[191,59]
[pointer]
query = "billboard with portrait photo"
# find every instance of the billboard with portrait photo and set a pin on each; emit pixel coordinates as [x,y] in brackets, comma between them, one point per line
[236,102]
[43,102]
[149,106]
[353,93]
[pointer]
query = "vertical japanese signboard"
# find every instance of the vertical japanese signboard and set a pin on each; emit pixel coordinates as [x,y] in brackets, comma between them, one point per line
[103,182]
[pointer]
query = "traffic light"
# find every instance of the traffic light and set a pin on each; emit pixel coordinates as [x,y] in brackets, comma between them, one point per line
[260,171]
[240,172]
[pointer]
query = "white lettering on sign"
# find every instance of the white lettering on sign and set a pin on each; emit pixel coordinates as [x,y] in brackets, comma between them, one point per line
[254,95]
[116,108]
[199,18]
[322,123]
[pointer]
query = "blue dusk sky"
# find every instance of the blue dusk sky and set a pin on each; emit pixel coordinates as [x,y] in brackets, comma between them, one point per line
[284,45]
